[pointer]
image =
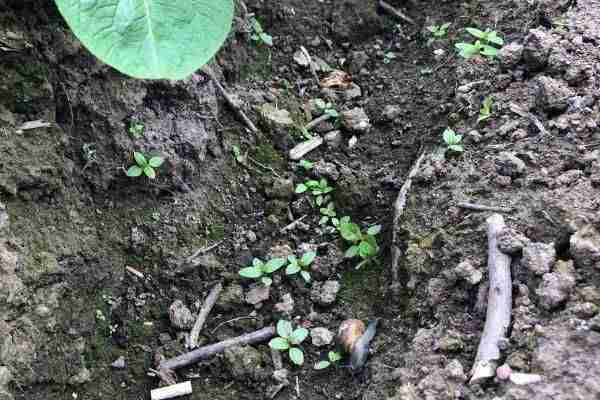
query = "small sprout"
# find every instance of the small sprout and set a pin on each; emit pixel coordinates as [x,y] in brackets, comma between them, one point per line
[437,32]
[332,358]
[388,56]
[136,130]
[485,45]
[453,140]
[486,109]
[328,214]
[307,165]
[260,270]
[287,340]
[259,35]
[327,108]
[363,245]
[301,265]
[237,154]
[318,188]
[144,166]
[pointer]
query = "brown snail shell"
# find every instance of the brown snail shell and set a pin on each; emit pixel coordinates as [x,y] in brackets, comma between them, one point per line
[181,317]
[349,332]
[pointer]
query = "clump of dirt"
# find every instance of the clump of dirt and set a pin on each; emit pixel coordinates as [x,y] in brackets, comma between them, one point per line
[75,320]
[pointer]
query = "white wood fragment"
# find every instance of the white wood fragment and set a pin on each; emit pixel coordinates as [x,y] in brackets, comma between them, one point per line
[519,378]
[305,147]
[169,392]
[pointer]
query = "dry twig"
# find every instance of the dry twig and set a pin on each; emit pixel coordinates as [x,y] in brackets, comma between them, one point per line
[532,118]
[399,205]
[390,9]
[317,121]
[206,69]
[209,303]
[499,304]
[480,207]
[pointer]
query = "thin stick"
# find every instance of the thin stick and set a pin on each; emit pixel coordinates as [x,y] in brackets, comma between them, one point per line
[206,69]
[209,303]
[205,352]
[135,272]
[230,321]
[293,224]
[199,252]
[310,63]
[399,205]
[499,304]
[317,121]
[387,7]
[479,207]
[169,392]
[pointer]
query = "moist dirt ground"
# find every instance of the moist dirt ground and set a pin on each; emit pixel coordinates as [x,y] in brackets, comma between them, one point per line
[75,323]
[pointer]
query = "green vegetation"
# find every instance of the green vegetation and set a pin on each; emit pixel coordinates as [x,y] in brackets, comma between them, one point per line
[288,339]
[300,265]
[306,165]
[261,270]
[319,189]
[437,32]
[259,35]
[363,245]
[332,358]
[486,109]
[328,214]
[150,39]
[136,130]
[327,108]
[485,44]
[147,167]
[453,140]
[388,57]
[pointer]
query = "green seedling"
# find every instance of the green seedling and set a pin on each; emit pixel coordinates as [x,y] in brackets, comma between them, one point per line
[363,245]
[136,130]
[150,39]
[485,44]
[438,31]
[328,214]
[144,166]
[327,108]
[300,265]
[237,154]
[259,35]
[261,270]
[486,109]
[306,165]
[388,57]
[453,140]
[332,358]
[319,189]
[287,340]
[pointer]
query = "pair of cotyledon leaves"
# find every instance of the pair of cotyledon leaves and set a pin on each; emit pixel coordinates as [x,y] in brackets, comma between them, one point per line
[150,39]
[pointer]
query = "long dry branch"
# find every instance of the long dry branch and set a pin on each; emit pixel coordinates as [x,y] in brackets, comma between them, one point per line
[399,206]
[209,303]
[499,304]
[205,352]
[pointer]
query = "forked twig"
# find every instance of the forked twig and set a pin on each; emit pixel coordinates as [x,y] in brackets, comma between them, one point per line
[209,303]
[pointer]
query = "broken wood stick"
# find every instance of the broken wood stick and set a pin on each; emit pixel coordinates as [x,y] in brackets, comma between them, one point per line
[204,352]
[171,391]
[480,207]
[209,303]
[236,108]
[390,9]
[499,304]
[317,121]
[399,206]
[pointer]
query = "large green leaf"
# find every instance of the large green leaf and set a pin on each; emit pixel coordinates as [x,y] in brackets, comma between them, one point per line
[150,39]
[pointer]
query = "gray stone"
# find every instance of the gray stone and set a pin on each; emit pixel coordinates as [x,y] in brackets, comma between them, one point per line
[334,139]
[325,293]
[585,247]
[569,177]
[555,290]
[510,55]
[537,47]
[552,94]
[452,341]
[391,112]
[467,272]
[539,257]
[257,294]
[454,370]
[83,376]
[355,120]
[119,363]
[5,376]
[353,92]
[323,169]
[231,297]
[243,361]
[321,336]
[511,242]
[286,306]
[508,164]
[275,117]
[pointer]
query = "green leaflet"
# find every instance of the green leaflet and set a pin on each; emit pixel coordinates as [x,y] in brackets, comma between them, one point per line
[150,39]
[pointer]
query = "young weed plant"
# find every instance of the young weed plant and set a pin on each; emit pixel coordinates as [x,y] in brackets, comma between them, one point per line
[259,35]
[300,265]
[328,214]
[486,109]
[327,108]
[485,44]
[136,130]
[261,270]
[363,245]
[144,166]
[333,358]
[318,188]
[287,340]
[388,57]
[306,165]
[453,140]
[437,32]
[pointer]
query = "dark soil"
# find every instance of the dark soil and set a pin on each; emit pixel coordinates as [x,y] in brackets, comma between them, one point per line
[71,221]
